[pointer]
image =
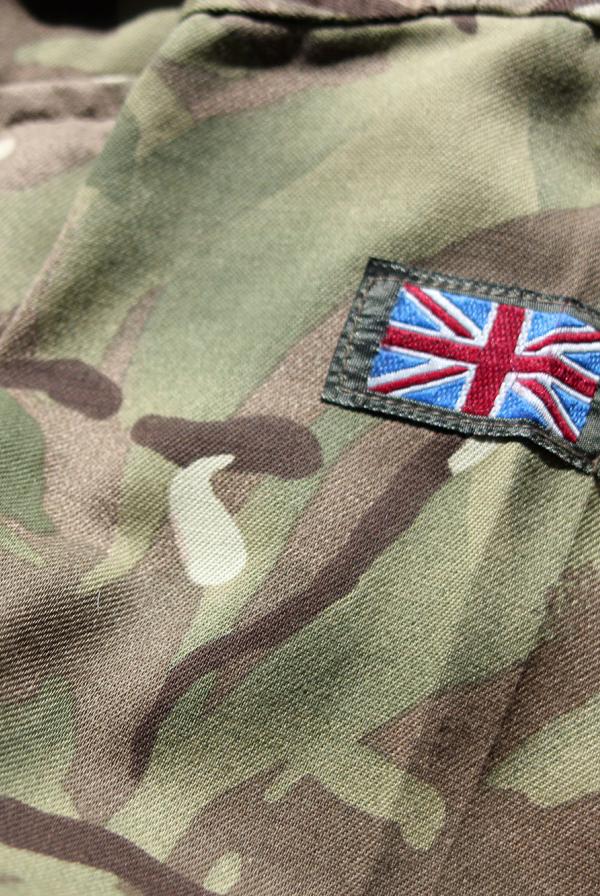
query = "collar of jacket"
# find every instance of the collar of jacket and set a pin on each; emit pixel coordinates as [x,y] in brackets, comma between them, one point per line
[357,12]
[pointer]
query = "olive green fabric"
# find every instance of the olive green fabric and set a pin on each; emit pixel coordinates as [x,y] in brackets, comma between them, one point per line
[253,644]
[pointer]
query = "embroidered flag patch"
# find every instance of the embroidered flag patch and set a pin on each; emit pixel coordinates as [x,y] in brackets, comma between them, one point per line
[475,357]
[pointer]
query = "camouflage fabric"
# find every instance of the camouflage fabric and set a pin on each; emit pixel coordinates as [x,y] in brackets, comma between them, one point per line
[254,644]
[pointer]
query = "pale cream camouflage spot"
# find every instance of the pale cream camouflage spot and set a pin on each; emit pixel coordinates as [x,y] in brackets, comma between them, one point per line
[210,544]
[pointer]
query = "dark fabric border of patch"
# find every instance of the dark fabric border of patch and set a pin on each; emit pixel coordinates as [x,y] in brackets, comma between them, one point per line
[346,383]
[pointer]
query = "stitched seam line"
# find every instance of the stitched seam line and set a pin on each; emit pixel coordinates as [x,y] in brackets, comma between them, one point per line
[305,20]
[463,424]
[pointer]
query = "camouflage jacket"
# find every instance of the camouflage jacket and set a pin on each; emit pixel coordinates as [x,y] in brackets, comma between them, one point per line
[255,643]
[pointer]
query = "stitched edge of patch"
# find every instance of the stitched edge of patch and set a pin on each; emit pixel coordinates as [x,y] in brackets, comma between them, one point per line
[346,382]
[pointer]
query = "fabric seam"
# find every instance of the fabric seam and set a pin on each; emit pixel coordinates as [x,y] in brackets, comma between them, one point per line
[303,19]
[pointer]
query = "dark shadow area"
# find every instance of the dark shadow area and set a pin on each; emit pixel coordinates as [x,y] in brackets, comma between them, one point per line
[98,14]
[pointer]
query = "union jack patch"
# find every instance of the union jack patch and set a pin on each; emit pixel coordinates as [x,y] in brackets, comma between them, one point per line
[475,357]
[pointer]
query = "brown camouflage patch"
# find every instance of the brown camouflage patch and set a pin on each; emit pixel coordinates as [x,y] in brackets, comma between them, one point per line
[88,99]
[508,845]
[446,739]
[553,251]
[18,28]
[41,151]
[273,445]
[53,126]
[373,533]
[306,842]
[72,840]
[205,96]
[564,671]
[69,382]
[292,390]
[466,24]
[152,609]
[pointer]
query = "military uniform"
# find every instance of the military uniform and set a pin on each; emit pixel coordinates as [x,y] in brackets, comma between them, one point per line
[254,641]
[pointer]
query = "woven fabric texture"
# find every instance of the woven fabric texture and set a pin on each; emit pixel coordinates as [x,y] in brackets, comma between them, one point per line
[253,643]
